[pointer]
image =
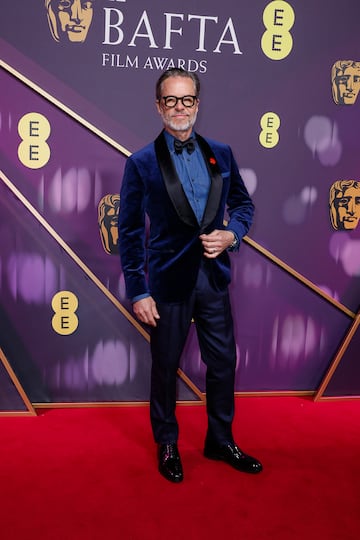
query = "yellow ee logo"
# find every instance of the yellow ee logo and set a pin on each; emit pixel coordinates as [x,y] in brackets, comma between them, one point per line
[65,321]
[34,130]
[277,42]
[269,135]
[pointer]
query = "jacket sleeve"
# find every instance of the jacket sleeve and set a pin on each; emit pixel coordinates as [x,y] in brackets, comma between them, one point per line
[131,227]
[239,204]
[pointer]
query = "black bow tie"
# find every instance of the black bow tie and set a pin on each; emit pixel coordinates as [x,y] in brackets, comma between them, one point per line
[189,144]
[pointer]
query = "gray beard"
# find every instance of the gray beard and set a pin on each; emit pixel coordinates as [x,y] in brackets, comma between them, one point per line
[184,127]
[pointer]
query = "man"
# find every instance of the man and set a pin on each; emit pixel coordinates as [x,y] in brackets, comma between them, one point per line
[344,203]
[69,20]
[345,82]
[183,183]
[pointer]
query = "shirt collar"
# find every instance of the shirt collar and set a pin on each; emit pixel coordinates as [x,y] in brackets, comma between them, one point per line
[170,139]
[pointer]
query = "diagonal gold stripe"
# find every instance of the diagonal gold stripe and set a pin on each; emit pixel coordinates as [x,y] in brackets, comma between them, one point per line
[299,277]
[191,385]
[18,387]
[87,271]
[72,254]
[338,357]
[65,108]
[126,152]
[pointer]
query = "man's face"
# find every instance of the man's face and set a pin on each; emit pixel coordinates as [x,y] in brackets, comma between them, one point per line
[348,208]
[73,19]
[180,119]
[348,84]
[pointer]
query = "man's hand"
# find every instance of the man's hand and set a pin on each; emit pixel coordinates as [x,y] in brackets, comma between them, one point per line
[216,242]
[145,310]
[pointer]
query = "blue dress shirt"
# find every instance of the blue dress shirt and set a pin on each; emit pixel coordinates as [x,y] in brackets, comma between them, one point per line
[193,175]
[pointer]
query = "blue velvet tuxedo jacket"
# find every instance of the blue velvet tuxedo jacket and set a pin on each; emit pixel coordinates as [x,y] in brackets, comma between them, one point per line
[164,260]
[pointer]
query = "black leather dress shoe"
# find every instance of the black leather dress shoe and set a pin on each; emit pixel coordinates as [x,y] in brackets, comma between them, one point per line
[169,462]
[231,454]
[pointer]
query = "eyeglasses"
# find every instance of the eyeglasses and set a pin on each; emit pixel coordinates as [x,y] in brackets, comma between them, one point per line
[172,101]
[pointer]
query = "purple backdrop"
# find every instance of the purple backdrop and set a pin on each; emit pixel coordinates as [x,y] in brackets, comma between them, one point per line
[287,334]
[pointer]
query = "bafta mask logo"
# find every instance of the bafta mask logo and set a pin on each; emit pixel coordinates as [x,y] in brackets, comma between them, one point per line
[69,20]
[345,78]
[344,204]
[108,215]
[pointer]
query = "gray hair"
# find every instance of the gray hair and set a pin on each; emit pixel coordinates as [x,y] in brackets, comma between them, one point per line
[177,72]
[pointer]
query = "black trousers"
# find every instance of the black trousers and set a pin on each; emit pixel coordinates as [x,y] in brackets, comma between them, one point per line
[211,312]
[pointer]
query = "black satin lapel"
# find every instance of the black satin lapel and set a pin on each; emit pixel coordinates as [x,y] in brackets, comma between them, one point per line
[214,197]
[172,183]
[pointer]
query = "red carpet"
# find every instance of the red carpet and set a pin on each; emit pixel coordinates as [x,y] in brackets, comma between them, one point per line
[91,474]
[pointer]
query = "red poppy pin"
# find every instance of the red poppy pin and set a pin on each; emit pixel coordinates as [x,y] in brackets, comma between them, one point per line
[212,161]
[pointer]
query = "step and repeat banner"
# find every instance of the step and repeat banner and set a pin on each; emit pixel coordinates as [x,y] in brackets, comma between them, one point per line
[280,83]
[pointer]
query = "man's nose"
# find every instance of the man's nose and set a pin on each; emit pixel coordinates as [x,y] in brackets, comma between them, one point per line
[179,106]
[350,84]
[351,207]
[76,11]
